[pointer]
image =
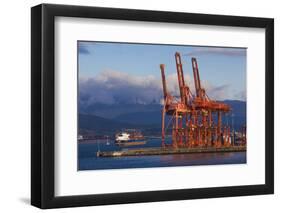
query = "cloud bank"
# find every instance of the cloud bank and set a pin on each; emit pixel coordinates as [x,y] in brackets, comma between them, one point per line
[111,87]
[217,51]
[116,87]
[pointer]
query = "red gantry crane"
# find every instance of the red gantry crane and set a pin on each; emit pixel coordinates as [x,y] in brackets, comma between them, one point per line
[208,132]
[176,109]
[191,116]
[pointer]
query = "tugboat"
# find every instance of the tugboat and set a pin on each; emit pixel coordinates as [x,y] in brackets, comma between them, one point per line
[129,137]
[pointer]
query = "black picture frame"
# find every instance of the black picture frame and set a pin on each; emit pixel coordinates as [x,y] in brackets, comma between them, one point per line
[43,117]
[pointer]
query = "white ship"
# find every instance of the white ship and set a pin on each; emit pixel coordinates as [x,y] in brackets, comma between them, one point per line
[129,137]
[122,137]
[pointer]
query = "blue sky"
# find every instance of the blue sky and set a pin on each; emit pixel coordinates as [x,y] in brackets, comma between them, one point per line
[222,70]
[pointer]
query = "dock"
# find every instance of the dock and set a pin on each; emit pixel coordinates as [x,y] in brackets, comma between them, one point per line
[169,151]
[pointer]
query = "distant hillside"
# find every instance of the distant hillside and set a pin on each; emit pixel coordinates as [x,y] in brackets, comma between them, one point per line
[99,123]
[154,117]
[238,107]
[144,118]
[114,110]
[108,126]
[239,113]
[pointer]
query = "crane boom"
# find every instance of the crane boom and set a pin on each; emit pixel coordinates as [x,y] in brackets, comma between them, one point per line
[164,84]
[196,78]
[180,78]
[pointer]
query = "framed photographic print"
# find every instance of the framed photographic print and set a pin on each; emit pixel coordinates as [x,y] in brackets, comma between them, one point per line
[139,106]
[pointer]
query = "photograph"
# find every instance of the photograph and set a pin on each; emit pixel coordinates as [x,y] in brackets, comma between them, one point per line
[144,105]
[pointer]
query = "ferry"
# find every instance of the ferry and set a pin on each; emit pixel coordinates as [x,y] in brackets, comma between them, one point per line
[129,137]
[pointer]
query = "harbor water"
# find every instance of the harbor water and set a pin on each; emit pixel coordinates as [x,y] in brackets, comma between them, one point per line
[88,160]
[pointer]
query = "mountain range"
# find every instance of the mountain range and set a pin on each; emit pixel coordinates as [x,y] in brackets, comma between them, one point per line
[109,118]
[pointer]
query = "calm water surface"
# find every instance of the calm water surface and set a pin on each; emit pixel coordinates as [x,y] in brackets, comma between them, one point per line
[87,159]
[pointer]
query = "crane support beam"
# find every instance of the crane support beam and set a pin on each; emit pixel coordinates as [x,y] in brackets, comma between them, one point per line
[164,84]
[196,77]
[180,76]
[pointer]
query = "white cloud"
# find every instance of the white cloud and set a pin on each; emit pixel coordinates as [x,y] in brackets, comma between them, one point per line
[118,87]
[218,51]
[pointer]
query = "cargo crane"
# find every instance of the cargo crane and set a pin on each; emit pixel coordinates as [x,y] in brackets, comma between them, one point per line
[207,132]
[178,110]
[181,136]
[192,115]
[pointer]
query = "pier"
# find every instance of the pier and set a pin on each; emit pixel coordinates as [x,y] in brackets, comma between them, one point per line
[168,151]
